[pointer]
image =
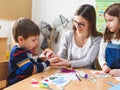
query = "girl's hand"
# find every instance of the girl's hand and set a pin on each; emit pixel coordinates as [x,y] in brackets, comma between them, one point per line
[115,72]
[105,68]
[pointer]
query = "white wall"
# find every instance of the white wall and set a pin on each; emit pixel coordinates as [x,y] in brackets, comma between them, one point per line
[5,30]
[48,10]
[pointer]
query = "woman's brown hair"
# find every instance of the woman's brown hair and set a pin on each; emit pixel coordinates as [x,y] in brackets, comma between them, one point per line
[88,12]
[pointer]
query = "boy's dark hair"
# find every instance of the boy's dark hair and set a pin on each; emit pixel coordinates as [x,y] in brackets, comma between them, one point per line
[24,27]
[112,10]
[88,12]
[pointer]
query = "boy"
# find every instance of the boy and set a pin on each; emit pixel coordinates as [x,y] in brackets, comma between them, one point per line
[22,65]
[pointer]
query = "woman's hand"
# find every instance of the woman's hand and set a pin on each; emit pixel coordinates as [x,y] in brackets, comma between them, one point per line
[54,59]
[61,62]
[115,72]
[105,68]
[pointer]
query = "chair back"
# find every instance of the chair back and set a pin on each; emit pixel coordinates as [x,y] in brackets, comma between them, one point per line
[3,73]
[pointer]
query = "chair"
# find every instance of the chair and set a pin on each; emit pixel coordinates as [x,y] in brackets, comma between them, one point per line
[97,65]
[3,74]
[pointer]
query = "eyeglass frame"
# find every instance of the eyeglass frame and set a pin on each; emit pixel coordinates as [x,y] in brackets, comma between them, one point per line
[80,24]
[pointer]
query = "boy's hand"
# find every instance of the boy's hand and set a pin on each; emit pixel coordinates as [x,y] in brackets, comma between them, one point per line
[54,59]
[46,54]
[105,68]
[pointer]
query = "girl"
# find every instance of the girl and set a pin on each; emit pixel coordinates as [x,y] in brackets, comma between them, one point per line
[109,54]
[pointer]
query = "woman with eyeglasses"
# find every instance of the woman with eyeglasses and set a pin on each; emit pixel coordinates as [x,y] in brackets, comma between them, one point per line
[79,47]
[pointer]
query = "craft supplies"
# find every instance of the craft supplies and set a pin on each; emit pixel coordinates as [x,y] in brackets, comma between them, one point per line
[34,83]
[82,74]
[99,73]
[86,76]
[78,77]
[111,83]
[44,85]
[58,79]
[92,79]
[67,70]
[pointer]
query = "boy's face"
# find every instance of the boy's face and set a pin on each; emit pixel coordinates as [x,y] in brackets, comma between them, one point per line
[30,43]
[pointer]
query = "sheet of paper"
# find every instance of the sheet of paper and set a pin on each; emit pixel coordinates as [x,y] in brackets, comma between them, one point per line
[117,78]
[100,73]
[115,87]
[59,79]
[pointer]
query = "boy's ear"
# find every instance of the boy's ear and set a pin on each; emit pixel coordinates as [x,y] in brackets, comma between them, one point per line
[20,38]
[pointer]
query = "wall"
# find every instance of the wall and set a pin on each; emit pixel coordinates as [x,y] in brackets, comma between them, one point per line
[48,10]
[12,9]
[5,31]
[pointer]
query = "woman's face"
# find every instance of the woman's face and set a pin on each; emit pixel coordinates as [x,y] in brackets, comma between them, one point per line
[112,23]
[80,24]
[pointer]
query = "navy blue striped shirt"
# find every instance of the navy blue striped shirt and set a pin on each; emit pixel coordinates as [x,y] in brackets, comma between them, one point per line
[21,65]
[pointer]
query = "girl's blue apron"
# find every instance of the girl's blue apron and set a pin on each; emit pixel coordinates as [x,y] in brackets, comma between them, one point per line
[113,55]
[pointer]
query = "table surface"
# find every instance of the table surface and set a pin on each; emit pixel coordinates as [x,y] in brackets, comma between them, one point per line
[85,84]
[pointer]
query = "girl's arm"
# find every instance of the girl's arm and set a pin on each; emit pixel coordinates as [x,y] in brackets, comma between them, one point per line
[101,55]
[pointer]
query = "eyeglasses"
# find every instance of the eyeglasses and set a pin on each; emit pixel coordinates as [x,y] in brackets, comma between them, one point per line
[80,24]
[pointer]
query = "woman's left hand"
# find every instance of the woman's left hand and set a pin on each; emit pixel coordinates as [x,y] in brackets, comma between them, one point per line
[61,62]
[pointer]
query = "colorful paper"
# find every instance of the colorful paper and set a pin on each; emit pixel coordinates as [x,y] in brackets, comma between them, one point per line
[57,79]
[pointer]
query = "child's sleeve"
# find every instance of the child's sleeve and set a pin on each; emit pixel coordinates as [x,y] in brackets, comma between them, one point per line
[41,65]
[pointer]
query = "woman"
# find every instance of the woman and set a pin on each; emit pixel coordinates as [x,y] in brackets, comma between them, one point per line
[79,47]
